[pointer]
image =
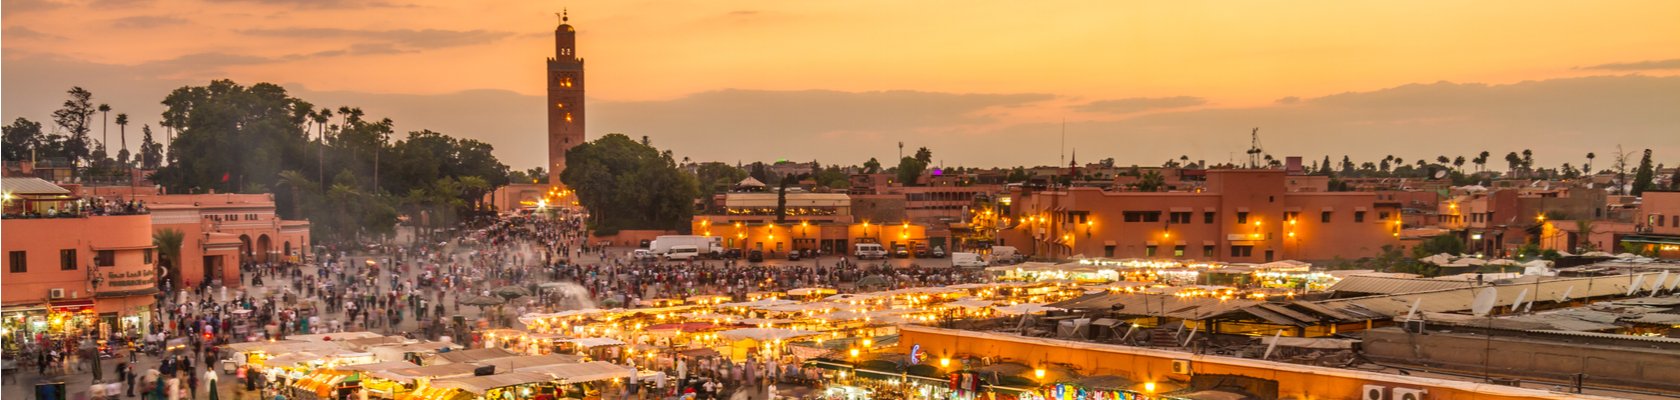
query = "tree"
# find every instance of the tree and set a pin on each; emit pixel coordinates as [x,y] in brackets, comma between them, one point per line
[1587,168]
[1528,160]
[872,166]
[168,242]
[104,132]
[712,175]
[628,185]
[73,117]
[1458,163]
[22,139]
[1481,161]
[122,132]
[1643,177]
[1448,244]
[1514,161]
[151,152]
[924,155]
[910,170]
[1324,168]
[223,118]
[1151,181]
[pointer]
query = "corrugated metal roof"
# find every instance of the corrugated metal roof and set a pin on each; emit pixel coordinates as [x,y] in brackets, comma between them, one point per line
[1392,285]
[1191,308]
[1458,300]
[31,186]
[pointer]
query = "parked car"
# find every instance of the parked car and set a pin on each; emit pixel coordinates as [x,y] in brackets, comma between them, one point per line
[922,251]
[644,244]
[733,254]
[755,256]
[793,255]
[901,251]
[938,251]
[642,254]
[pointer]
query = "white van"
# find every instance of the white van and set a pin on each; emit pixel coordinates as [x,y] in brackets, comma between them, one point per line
[1005,255]
[867,251]
[972,260]
[684,252]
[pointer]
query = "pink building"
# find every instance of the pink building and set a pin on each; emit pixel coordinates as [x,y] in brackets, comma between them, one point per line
[72,265]
[1658,225]
[1240,215]
[222,231]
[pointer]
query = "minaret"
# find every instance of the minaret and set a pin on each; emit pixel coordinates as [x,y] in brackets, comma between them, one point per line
[565,98]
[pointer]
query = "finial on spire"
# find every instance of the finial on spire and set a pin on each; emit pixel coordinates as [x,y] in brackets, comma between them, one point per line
[563,16]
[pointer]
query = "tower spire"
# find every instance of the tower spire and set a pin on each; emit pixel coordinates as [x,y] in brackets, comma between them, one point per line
[563,15]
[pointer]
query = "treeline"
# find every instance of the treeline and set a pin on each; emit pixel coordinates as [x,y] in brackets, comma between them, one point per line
[349,174]
[70,143]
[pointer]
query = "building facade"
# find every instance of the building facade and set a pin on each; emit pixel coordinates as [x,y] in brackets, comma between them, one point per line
[221,232]
[1240,215]
[73,265]
[565,99]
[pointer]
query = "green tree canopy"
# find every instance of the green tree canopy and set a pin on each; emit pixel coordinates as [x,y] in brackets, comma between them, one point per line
[629,185]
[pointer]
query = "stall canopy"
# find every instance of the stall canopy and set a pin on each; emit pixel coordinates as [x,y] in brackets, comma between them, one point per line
[476,355]
[516,363]
[378,366]
[763,334]
[428,372]
[581,372]
[479,385]
[595,342]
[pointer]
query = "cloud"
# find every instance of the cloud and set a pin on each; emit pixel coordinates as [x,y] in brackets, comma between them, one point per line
[23,6]
[19,32]
[147,21]
[1137,104]
[1638,65]
[332,3]
[403,39]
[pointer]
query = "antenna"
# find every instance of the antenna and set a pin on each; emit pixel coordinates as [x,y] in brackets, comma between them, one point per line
[1254,152]
[1062,149]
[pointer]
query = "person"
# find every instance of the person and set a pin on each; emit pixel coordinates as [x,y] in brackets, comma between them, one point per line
[192,383]
[210,379]
[173,387]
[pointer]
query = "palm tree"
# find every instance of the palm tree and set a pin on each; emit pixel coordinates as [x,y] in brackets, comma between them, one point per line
[1151,181]
[168,242]
[1481,161]
[1458,163]
[122,132]
[104,129]
[1587,168]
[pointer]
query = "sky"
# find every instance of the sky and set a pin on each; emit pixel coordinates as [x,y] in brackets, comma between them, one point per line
[987,83]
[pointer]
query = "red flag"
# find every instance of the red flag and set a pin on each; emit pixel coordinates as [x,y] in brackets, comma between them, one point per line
[224,177]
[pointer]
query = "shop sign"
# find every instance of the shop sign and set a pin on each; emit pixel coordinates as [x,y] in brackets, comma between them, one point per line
[142,277]
[73,306]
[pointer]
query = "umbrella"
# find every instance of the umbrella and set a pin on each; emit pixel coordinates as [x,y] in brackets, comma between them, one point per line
[482,301]
[509,292]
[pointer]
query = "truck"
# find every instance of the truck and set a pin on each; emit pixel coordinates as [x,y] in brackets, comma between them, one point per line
[969,260]
[708,246]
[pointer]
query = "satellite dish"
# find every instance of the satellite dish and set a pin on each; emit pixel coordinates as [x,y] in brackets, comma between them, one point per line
[1566,293]
[1438,174]
[1485,301]
[1637,279]
[1520,296]
[1411,315]
[1269,347]
[1658,285]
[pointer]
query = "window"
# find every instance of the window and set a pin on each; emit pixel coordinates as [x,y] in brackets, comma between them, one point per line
[1291,215]
[1207,251]
[1179,218]
[1242,251]
[1207,217]
[18,261]
[1677,220]
[1149,251]
[1324,217]
[1142,216]
[1382,215]
[1358,216]
[1108,251]
[148,257]
[1242,217]
[1178,251]
[67,259]
[105,258]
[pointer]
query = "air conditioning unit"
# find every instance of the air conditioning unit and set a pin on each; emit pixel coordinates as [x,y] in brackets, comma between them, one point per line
[1181,367]
[55,294]
[1375,392]
[1410,394]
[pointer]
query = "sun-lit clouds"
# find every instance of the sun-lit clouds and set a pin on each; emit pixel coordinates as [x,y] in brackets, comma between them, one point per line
[1669,64]
[728,77]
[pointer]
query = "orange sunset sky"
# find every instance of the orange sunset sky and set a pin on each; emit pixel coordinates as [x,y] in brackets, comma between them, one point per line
[982,83]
